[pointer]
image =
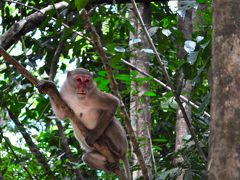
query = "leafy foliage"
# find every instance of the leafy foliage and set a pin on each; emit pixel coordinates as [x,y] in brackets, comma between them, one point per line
[35,51]
[81,4]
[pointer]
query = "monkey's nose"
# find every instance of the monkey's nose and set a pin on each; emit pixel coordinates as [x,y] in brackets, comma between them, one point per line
[79,79]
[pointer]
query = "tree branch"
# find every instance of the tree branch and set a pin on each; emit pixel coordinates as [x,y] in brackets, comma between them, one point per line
[176,95]
[55,60]
[63,138]
[40,13]
[9,146]
[67,149]
[31,22]
[183,98]
[99,48]
[33,148]
[54,94]
[22,70]
[94,2]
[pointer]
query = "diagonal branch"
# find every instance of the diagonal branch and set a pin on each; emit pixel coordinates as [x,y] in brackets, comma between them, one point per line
[176,95]
[31,22]
[9,146]
[183,98]
[125,62]
[99,48]
[63,138]
[94,2]
[55,59]
[52,91]
[22,70]
[41,14]
[32,146]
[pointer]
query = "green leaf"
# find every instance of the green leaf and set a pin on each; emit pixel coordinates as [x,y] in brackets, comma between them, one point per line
[149,94]
[192,57]
[102,73]
[188,175]
[134,41]
[149,51]
[80,4]
[153,30]
[168,103]
[119,49]
[166,22]
[123,77]
[170,174]
[160,139]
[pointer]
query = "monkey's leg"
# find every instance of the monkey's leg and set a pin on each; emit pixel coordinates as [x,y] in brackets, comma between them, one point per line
[98,161]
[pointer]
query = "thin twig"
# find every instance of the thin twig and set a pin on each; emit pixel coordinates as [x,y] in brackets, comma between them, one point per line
[55,60]
[183,98]
[19,67]
[99,48]
[9,145]
[20,28]
[55,95]
[63,138]
[52,18]
[32,146]
[176,95]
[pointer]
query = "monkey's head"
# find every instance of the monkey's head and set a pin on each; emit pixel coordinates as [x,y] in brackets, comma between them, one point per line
[81,81]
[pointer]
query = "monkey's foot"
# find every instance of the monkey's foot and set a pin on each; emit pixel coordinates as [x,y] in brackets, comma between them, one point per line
[91,138]
[45,86]
[112,166]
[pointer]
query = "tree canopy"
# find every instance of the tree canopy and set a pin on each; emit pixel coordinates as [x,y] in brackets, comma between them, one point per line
[48,41]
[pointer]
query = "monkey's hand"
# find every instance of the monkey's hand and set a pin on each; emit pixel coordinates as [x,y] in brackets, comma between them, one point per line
[45,86]
[91,138]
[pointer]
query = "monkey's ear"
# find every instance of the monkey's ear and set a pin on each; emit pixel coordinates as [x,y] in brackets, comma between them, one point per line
[93,74]
[69,74]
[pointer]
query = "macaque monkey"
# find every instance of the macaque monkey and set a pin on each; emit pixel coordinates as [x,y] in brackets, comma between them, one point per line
[95,109]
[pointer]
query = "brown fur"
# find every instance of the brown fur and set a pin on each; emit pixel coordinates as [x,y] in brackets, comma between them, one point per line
[95,110]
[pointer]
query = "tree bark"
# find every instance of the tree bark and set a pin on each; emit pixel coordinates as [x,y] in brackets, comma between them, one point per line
[224,151]
[67,149]
[185,26]
[139,105]
[94,2]
[29,23]
[64,140]
[103,56]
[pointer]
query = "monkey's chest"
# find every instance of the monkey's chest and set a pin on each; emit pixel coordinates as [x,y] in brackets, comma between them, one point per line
[88,116]
[85,110]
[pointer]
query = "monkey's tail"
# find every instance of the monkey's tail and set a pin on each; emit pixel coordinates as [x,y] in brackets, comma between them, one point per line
[126,167]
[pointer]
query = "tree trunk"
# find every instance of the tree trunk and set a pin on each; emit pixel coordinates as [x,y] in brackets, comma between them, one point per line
[139,106]
[185,26]
[224,151]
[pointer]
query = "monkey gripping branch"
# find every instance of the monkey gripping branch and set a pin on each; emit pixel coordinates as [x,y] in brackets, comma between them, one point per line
[49,88]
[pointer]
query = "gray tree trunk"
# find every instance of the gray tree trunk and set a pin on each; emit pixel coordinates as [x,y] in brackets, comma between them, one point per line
[224,141]
[185,26]
[139,106]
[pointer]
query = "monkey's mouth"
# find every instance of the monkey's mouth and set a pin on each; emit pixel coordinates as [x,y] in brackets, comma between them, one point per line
[81,93]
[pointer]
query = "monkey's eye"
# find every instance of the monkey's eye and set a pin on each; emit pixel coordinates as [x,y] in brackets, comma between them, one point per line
[79,79]
[86,79]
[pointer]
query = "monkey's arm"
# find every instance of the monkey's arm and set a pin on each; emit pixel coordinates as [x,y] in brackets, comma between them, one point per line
[58,111]
[49,88]
[109,104]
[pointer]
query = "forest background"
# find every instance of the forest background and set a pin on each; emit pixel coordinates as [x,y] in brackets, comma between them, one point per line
[157,63]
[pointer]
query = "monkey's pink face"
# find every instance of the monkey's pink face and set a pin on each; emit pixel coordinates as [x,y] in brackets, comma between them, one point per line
[82,83]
